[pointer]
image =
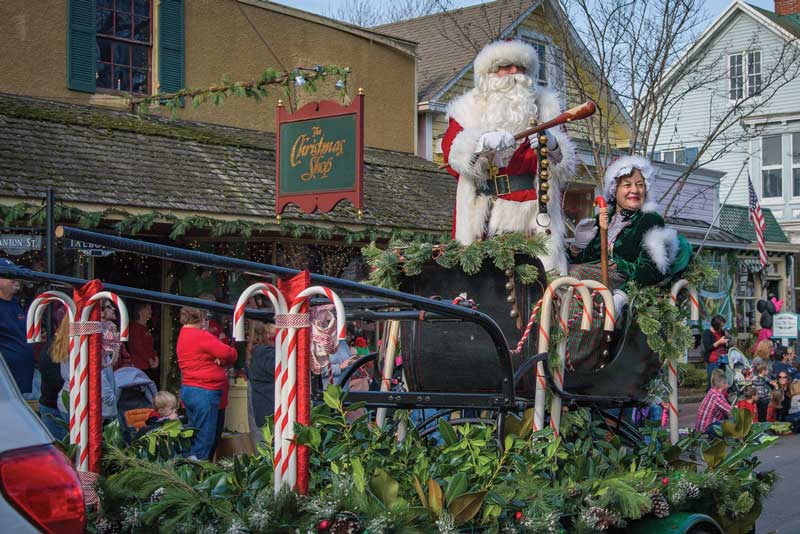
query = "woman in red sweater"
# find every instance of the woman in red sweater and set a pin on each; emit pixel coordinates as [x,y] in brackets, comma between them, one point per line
[204,382]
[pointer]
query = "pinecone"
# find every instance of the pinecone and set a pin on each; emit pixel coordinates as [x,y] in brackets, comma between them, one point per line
[692,491]
[600,518]
[345,523]
[660,504]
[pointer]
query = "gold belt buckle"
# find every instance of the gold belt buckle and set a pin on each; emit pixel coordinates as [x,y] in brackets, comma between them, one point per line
[498,181]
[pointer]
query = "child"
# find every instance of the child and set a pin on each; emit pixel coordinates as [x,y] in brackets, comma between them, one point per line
[763,390]
[165,407]
[775,402]
[715,407]
[749,402]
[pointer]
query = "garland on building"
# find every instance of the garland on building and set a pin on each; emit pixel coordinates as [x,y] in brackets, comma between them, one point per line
[306,77]
[132,224]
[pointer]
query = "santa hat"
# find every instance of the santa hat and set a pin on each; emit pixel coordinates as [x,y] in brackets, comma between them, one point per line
[624,166]
[500,53]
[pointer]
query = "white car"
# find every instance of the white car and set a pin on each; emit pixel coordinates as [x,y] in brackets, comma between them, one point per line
[40,488]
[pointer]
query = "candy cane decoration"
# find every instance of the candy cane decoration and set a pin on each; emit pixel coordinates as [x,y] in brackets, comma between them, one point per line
[293,321]
[544,337]
[279,305]
[694,308]
[34,335]
[82,412]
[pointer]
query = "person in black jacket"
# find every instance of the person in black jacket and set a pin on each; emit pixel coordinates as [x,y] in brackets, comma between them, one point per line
[715,344]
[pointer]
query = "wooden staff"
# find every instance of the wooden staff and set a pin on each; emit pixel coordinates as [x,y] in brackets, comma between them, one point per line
[603,219]
[573,114]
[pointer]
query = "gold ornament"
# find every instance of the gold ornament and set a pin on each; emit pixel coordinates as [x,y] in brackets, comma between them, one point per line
[514,313]
[509,273]
[544,175]
[545,186]
[545,199]
[543,152]
[544,164]
[509,286]
[542,139]
[511,299]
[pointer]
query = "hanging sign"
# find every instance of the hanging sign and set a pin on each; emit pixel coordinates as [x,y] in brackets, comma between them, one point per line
[86,248]
[784,325]
[320,156]
[16,245]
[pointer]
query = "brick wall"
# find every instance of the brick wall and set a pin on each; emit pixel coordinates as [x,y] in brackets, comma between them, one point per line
[787,7]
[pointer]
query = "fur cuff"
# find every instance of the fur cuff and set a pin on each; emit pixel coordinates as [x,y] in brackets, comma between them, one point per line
[662,246]
[462,154]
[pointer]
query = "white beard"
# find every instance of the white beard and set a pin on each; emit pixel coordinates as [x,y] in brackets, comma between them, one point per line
[509,101]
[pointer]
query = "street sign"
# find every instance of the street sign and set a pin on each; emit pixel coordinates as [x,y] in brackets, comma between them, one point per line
[88,249]
[16,244]
[784,325]
[320,156]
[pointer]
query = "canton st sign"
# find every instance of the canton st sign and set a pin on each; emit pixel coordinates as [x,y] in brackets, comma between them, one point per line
[320,156]
[18,244]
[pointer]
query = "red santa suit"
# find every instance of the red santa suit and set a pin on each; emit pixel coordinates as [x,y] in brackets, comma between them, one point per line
[485,208]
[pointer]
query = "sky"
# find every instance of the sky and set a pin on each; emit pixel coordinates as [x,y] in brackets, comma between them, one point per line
[326,7]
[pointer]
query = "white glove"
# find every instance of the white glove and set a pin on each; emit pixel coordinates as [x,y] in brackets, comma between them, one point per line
[620,300]
[498,141]
[552,142]
[584,233]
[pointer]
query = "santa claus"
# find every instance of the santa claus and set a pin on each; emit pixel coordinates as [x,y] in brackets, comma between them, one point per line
[505,185]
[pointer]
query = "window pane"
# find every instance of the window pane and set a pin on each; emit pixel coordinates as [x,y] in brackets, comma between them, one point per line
[123,6]
[140,57]
[772,183]
[123,26]
[669,156]
[122,54]
[104,20]
[771,150]
[104,50]
[796,180]
[679,157]
[122,80]
[139,81]
[796,148]
[736,75]
[141,7]
[104,75]
[691,154]
[141,31]
[108,4]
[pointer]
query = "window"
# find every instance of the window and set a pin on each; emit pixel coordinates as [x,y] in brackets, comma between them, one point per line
[771,166]
[123,44]
[744,75]
[681,156]
[736,76]
[796,164]
[550,72]
[753,73]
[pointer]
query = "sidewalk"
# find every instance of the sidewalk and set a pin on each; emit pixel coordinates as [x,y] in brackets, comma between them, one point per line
[687,414]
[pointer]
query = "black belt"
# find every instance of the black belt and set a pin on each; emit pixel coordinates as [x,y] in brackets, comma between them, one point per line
[503,184]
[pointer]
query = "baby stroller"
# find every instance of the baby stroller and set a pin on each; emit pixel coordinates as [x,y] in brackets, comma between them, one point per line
[737,368]
[135,393]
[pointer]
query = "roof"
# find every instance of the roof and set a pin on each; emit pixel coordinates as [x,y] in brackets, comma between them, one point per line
[115,159]
[697,233]
[736,220]
[449,41]
[790,23]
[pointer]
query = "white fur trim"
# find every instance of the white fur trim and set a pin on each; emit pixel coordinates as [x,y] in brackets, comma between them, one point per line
[462,152]
[471,212]
[505,53]
[662,245]
[623,166]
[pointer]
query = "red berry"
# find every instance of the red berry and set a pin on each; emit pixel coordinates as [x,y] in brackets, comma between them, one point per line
[325,524]
[665,480]
[518,515]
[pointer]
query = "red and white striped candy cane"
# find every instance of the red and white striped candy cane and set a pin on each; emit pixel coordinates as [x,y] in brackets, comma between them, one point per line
[82,411]
[279,306]
[672,369]
[288,468]
[34,334]
[544,338]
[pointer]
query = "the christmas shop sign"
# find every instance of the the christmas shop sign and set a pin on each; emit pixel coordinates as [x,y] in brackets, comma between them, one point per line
[320,156]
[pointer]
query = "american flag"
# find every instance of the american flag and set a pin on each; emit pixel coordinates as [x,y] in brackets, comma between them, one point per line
[758,222]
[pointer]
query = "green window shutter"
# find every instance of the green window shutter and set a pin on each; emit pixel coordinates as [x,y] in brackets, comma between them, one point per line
[81,46]
[170,46]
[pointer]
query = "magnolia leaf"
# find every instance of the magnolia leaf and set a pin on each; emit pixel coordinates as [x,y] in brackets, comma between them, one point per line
[466,506]
[456,487]
[435,497]
[420,492]
[384,487]
[740,426]
[714,453]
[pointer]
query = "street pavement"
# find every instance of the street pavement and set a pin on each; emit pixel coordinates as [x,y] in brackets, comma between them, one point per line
[781,513]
